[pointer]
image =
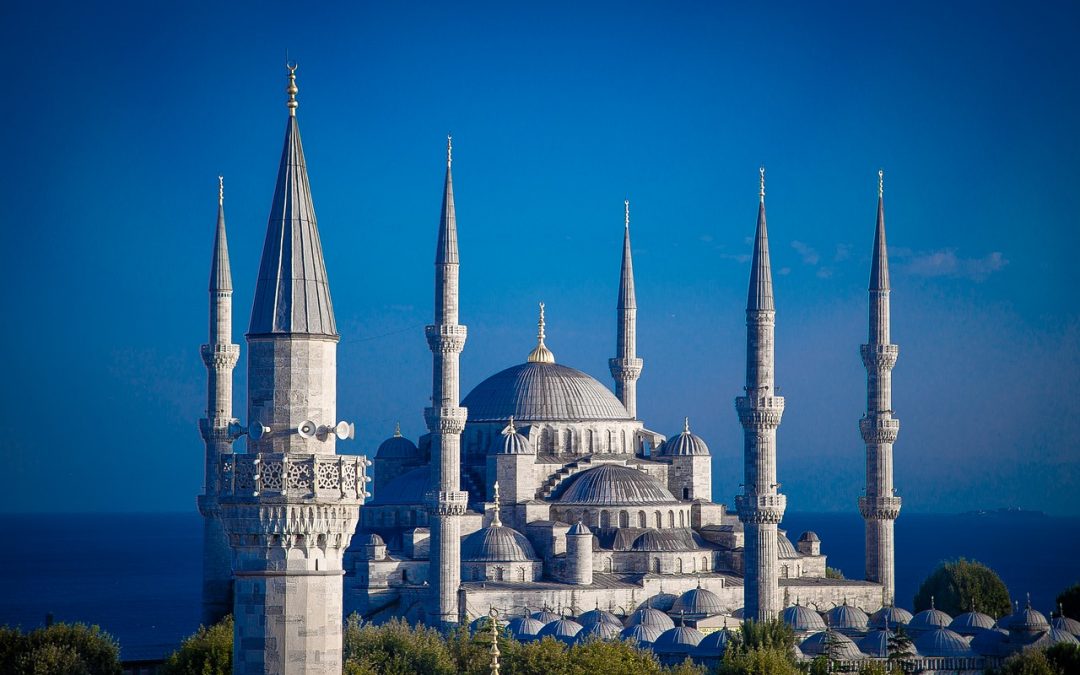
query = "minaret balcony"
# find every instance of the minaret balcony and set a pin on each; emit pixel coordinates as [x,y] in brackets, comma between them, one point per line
[878,429]
[220,355]
[760,412]
[446,338]
[761,509]
[879,357]
[446,419]
[285,477]
[626,369]
[879,508]
[449,502]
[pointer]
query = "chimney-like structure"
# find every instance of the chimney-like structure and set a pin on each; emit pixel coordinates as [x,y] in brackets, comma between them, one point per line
[220,356]
[760,506]
[626,366]
[879,506]
[446,418]
[290,503]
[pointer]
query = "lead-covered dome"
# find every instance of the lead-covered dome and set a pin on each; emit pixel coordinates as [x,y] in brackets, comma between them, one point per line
[803,619]
[942,642]
[685,444]
[535,392]
[614,485]
[497,543]
[397,447]
[698,603]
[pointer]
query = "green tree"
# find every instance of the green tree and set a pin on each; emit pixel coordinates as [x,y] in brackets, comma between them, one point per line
[394,648]
[1029,662]
[1069,600]
[543,657]
[207,652]
[834,573]
[763,635]
[1065,657]
[59,649]
[765,661]
[616,657]
[956,584]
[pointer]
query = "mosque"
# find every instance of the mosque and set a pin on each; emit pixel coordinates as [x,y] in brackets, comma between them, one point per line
[539,495]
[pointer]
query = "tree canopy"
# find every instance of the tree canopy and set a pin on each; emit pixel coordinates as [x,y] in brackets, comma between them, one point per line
[207,652]
[958,584]
[1069,599]
[59,649]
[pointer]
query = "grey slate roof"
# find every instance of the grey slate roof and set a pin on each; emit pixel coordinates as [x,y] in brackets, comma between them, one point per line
[542,392]
[524,628]
[397,446]
[876,644]
[678,539]
[614,485]
[292,294]
[598,630]
[598,615]
[446,252]
[563,630]
[220,272]
[760,295]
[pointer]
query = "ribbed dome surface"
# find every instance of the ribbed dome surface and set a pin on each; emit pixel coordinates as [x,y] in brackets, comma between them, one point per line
[644,633]
[651,617]
[784,548]
[514,443]
[876,644]
[841,648]
[1066,624]
[685,444]
[698,603]
[970,623]
[524,628]
[942,642]
[990,643]
[847,618]
[929,619]
[714,644]
[661,601]
[665,540]
[614,485]
[888,618]
[598,615]
[678,640]
[1056,636]
[1027,619]
[397,447]
[563,630]
[497,543]
[600,630]
[545,617]
[533,392]
[803,619]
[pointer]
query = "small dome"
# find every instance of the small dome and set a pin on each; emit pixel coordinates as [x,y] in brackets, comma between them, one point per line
[738,613]
[578,529]
[847,619]
[397,447]
[714,644]
[942,642]
[372,539]
[664,540]
[1026,620]
[929,619]
[514,443]
[645,634]
[482,624]
[833,644]
[803,619]
[545,616]
[888,618]
[524,628]
[598,615]
[651,617]
[809,536]
[563,630]
[497,543]
[661,601]
[614,485]
[678,640]
[784,549]
[685,444]
[698,603]
[970,623]
[876,644]
[601,630]
[1066,624]
[990,643]
[1056,636]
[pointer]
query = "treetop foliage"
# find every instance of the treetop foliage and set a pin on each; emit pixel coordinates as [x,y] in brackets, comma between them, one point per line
[1069,599]
[59,649]
[958,584]
[207,652]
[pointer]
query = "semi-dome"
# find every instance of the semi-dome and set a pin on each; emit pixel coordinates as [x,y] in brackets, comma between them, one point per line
[803,619]
[497,543]
[650,616]
[542,392]
[888,618]
[664,540]
[698,603]
[645,634]
[524,628]
[784,549]
[397,447]
[831,644]
[970,623]
[614,485]
[685,444]
[847,619]
[563,630]
[600,630]
[714,644]
[942,642]
[677,640]
[929,619]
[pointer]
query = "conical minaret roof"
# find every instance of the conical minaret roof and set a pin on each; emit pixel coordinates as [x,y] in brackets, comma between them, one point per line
[879,267]
[447,251]
[626,281]
[760,296]
[220,272]
[292,294]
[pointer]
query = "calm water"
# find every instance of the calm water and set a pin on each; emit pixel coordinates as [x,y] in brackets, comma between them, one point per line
[138,576]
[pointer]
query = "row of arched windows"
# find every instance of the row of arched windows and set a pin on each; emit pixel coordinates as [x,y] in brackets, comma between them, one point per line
[606,518]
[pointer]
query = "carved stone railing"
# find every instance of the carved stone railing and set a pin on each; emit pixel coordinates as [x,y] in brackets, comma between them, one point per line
[293,476]
[879,508]
[761,509]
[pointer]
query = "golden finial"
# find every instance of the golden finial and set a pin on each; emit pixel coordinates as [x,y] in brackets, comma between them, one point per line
[541,354]
[493,616]
[510,428]
[291,89]
[220,190]
[397,430]
[626,203]
[449,150]
[496,521]
[880,182]
[762,193]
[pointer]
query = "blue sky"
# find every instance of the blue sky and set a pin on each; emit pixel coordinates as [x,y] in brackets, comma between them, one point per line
[121,116]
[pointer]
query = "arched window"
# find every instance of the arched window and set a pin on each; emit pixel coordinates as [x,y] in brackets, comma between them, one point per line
[705,564]
[671,519]
[682,519]
[605,519]
[521,574]
[568,441]
[499,573]
[607,565]
[586,518]
[624,519]
[678,565]
[641,519]
[659,520]
[656,565]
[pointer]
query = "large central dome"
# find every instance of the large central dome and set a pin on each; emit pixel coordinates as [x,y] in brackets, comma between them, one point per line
[542,392]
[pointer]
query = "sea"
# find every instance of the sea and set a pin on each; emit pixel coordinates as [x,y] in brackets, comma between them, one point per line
[138,575]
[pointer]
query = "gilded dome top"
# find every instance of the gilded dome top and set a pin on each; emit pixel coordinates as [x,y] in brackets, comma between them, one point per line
[614,485]
[542,392]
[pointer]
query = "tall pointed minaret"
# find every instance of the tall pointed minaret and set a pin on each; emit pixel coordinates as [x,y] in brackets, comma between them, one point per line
[446,418]
[760,506]
[290,504]
[626,366]
[220,356]
[879,506]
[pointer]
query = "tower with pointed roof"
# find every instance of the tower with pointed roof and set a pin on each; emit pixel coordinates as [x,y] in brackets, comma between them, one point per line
[760,506]
[879,506]
[626,366]
[290,504]
[446,417]
[220,355]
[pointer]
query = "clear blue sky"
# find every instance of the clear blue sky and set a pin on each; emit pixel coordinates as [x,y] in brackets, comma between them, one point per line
[121,116]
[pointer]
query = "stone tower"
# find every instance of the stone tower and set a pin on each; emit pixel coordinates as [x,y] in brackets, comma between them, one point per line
[220,356]
[579,554]
[760,506]
[879,506]
[446,418]
[290,503]
[626,366]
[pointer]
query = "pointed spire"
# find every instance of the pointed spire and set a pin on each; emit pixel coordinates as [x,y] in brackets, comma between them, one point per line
[397,430]
[879,266]
[447,250]
[627,299]
[292,294]
[220,272]
[496,521]
[541,354]
[760,296]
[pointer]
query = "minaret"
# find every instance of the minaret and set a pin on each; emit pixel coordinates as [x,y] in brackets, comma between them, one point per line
[879,507]
[446,418]
[760,506]
[290,504]
[220,356]
[626,366]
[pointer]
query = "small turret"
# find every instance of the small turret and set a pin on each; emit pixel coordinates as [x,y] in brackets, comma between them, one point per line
[579,555]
